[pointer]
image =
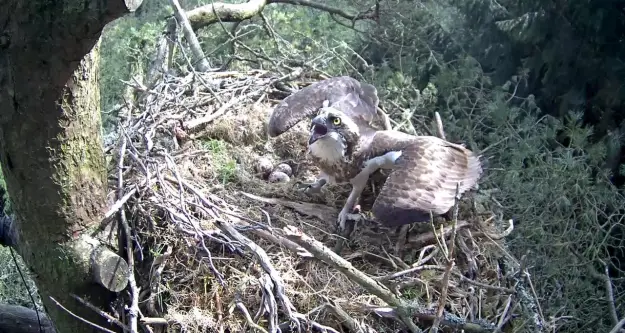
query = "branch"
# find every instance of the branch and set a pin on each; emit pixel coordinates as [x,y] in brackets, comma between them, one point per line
[133,310]
[206,15]
[449,256]
[367,15]
[618,326]
[439,126]
[200,61]
[399,308]
[368,283]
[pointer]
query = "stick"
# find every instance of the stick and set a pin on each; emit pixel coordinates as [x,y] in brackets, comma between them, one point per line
[450,265]
[189,35]
[80,318]
[439,126]
[100,312]
[324,254]
[119,203]
[133,311]
[618,326]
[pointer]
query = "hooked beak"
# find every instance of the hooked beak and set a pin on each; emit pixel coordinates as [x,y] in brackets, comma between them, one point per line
[319,130]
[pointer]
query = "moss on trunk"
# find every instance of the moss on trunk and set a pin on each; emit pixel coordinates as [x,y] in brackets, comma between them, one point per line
[50,144]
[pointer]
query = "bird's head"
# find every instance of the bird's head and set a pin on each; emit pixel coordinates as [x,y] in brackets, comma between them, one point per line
[332,134]
[331,124]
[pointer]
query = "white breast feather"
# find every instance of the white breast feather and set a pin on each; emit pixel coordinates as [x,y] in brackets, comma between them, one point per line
[330,148]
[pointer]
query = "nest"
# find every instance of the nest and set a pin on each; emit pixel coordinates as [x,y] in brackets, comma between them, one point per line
[221,249]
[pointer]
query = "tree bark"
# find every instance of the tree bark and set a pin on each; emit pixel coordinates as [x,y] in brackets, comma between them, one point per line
[51,146]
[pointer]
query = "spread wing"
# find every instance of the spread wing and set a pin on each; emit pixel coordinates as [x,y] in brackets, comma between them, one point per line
[424,177]
[344,93]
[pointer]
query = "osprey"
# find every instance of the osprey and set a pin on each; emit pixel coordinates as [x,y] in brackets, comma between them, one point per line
[344,144]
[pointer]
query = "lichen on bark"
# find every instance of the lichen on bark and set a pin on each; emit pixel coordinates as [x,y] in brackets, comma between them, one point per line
[50,144]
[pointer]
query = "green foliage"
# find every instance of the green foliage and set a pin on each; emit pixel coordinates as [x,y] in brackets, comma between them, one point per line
[12,288]
[223,165]
[525,28]
[127,45]
[560,195]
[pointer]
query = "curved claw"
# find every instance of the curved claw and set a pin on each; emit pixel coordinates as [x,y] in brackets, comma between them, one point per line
[312,188]
[345,216]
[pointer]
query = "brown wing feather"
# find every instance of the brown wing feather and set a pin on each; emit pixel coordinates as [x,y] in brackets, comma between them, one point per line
[424,178]
[308,100]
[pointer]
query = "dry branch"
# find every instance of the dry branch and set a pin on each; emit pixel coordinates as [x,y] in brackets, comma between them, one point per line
[327,256]
[101,313]
[226,12]
[618,326]
[109,269]
[133,311]
[194,44]
[400,308]
[449,257]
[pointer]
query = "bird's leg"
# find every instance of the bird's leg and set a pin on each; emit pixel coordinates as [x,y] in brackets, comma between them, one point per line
[356,209]
[401,239]
[345,213]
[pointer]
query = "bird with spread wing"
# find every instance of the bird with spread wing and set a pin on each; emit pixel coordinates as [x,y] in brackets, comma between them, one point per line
[425,171]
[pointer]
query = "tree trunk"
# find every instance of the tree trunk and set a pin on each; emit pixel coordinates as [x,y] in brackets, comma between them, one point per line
[51,145]
[18,319]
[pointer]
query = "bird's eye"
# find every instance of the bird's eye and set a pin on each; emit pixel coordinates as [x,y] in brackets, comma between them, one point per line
[336,121]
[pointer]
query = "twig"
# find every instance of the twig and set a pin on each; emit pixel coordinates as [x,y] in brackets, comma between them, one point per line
[193,124]
[618,326]
[456,274]
[265,262]
[450,320]
[504,315]
[119,203]
[346,319]
[260,254]
[194,43]
[247,316]
[80,318]
[100,312]
[133,311]
[158,265]
[324,254]
[154,321]
[610,294]
[430,236]
[450,264]
[439,126]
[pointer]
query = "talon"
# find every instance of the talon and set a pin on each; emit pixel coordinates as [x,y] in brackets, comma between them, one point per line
[344,216]
[311,188]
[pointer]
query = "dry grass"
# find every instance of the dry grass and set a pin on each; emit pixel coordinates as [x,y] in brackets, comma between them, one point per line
[198,275]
